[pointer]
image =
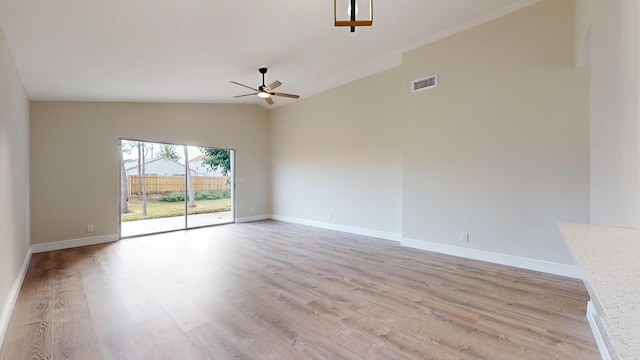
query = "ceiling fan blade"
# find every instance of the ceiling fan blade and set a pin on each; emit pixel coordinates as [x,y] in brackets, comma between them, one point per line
[273,85]
[286,95]
[248,87]
[237,96]
[269,101]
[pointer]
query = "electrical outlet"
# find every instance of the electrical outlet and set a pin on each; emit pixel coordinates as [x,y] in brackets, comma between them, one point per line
[330,216]
[253,210]
[90,228]
[464,237]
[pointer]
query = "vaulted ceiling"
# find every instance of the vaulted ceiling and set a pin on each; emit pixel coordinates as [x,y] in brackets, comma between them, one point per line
[189,50]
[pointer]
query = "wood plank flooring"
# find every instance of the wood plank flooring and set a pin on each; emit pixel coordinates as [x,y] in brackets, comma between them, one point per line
[272,290]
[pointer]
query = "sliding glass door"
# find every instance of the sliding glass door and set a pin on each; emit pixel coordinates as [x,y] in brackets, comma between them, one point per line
[167,187]
[210,194]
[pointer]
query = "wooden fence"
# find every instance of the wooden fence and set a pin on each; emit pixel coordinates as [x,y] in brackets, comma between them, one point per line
[166,184]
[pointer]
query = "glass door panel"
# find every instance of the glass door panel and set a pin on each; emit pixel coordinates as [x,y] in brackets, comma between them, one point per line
[211,192]
[154,193]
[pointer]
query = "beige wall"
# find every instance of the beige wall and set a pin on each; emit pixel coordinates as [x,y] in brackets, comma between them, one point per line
[14,181]
[338,153]
[615,126]
[74,157]
[500,149]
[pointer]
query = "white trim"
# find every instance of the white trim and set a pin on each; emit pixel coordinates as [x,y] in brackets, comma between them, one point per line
[343,228]
[253,218]
[496,258]
[592,314]
[68,244]
[12,297]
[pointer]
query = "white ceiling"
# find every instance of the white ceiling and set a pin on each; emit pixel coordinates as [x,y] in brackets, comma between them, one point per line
[189,50]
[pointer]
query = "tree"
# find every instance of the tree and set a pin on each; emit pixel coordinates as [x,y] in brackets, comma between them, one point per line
[168,152]
[191,200]
[140,152]
[124,205]
[141,179]
[126,147]
[217,159]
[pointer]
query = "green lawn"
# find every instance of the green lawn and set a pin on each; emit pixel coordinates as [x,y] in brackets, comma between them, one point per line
[159,209]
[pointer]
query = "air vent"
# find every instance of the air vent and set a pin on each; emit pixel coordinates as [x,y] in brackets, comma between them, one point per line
[424,83]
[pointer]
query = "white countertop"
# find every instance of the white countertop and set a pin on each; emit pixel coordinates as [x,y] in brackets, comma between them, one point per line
[609,260]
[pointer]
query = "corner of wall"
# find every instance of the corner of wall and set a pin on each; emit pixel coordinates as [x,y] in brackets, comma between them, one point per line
[583,19]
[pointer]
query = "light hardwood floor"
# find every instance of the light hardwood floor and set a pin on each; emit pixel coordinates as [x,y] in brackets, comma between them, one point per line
[271,290]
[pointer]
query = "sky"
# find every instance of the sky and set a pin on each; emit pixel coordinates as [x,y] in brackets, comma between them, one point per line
[154,149]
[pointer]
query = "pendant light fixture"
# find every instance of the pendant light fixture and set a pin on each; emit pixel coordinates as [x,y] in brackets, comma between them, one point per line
[353,13]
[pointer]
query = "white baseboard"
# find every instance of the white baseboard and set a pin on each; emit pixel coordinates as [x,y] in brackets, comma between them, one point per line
[68,244]
[12,297]
[343,228]
[496,258]
[253,218]
[592,315]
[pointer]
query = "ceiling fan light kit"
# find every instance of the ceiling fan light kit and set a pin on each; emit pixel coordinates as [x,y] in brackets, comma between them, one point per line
[353,13]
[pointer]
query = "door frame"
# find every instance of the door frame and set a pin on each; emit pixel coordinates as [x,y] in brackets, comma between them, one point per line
[232,177]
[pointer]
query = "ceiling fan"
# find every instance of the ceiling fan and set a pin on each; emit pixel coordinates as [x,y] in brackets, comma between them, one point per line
[264,91]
